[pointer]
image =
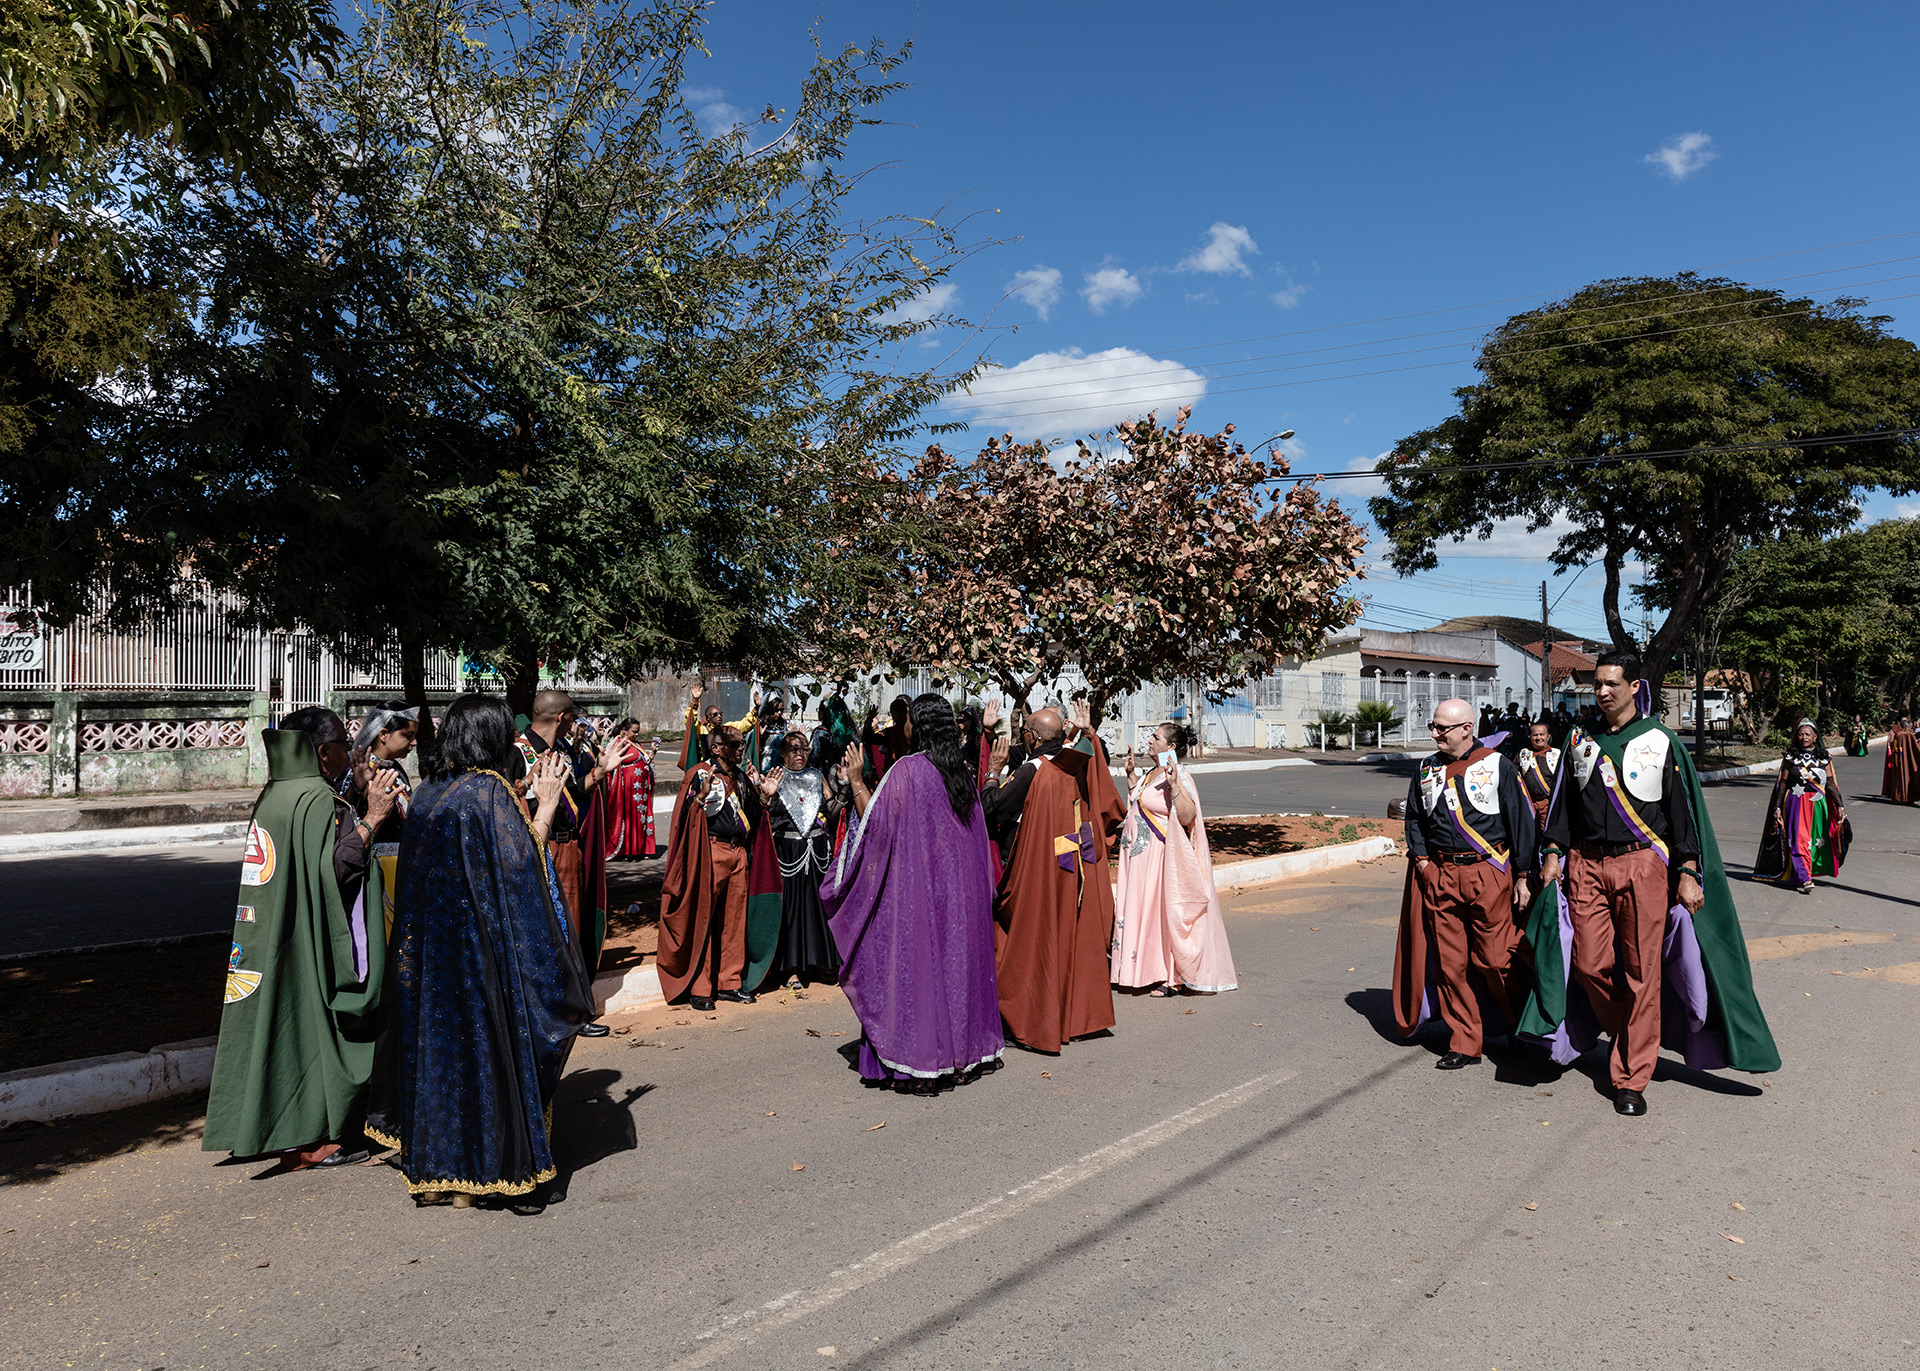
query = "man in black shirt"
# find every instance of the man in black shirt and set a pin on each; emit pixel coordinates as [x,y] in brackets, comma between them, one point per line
[1622,823]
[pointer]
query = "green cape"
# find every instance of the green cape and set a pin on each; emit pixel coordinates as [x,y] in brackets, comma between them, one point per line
[1733,1014]
[297,1034]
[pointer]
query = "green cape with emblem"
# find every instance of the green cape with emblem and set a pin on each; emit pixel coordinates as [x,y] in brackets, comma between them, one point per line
[304,976]
[1710,1013]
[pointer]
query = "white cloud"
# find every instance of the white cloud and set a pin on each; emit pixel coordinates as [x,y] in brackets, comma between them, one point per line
[1510,538]
[1054,393]
[1223,254]
[715,116]
[935,299]
[1354,494]
[1290,294]
[1906,509]
[1039,287]
[1683,154]
[1110,286]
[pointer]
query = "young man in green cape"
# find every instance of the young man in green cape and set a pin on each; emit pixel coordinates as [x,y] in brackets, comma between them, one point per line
[309,949]
[1645,902]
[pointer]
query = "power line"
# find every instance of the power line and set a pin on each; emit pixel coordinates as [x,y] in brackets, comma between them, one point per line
[1420,366]
[1425,365]
[1836,440]
[1082,363]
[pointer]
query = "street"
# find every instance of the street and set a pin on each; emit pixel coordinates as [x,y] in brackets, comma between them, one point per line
[1262,1178]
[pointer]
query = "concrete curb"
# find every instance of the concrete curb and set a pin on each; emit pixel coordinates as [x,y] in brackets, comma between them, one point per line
[623,992]
[94,1085]
[106,839]
[1728,773]
[1261,870]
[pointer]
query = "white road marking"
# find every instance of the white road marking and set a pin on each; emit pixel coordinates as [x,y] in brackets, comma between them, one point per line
[738,1330]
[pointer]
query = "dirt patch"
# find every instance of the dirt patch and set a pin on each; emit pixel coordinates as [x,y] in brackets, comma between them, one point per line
[1269,835]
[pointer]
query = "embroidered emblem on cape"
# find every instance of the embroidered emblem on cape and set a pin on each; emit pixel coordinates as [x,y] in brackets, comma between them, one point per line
[1553,760]
[240,984]
[1482,784]
[1645,762]
[1433,781]
[244,915]
[1585,750]
[257,863]
[526,749]
[1608,776]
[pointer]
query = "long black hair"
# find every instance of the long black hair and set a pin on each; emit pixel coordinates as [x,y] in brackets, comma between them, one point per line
[476,734]
[936,735]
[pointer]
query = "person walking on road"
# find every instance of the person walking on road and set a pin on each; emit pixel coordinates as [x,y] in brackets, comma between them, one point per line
[1900,779]
[1806,833]
[1470,847]
[1167,931]
[1628,828]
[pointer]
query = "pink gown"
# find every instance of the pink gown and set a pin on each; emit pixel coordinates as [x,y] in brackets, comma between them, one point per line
[1168,925]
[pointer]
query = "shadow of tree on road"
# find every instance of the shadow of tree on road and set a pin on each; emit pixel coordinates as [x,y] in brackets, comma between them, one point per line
[32,1154]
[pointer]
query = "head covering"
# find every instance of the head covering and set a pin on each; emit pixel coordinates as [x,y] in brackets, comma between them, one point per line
[1806,723]
[379,721]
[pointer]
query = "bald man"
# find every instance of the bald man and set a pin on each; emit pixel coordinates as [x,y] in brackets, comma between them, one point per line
[1471,837]
[1055,818]
[577,840]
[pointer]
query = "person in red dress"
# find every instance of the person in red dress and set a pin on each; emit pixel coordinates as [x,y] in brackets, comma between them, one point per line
[630,795]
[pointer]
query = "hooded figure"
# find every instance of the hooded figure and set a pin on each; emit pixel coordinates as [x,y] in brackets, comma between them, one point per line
[305,974]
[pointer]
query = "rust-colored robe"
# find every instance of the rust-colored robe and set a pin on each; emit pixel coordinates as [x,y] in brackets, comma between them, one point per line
[686,900]
[1053,915]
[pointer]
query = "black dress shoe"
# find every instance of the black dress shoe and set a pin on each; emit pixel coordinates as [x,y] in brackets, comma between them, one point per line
[1630,1102]
[1453,1061]
[345,1158]
[594,1030]
[737,996]
[700,1004]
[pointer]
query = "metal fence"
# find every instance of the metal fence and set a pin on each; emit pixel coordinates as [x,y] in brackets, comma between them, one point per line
[206,644]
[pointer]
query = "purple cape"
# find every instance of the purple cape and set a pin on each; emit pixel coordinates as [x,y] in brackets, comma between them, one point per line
[909,900]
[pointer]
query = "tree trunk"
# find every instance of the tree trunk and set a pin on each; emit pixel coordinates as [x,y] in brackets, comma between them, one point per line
[413,685]
[1699,698]
[523,679]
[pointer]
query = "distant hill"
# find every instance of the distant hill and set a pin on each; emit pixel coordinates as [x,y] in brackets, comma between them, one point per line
[1520,632]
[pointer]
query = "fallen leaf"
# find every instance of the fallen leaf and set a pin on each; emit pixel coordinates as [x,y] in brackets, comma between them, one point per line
[1349,968]
[878,1126]
[413,1261]
[1047,1074]
[826,1351]
[1836,973]
[1546,1123]
[1547,1093]
[1730,1238]
[1737,1278]
[1191,1011]
[1313,930]
[838,1033]
[770,1113]
[798,1166]
[1533,1204]
[737,1030]
[1259,1025]
[1741,1207]
[261,1266]
[813,1032]
[619,1031]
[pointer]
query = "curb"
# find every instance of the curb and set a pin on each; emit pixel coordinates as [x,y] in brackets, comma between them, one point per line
[94,1085]
[1261,870]
[623,992]
[1730,772]
[106,839]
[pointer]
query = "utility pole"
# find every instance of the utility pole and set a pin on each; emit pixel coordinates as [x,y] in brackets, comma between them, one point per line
[1546,652]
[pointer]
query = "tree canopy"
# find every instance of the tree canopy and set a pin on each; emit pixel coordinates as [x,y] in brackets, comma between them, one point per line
[1684,367]
[1174,555]
[492,345]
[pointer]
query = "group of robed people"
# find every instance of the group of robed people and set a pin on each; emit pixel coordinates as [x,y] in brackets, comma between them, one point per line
[1574,890]
[425,999]
[1900,777]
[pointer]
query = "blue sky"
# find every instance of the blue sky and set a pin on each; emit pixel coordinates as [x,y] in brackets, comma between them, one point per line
[1174,179]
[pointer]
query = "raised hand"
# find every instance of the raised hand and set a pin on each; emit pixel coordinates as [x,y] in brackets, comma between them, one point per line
[771,781]
[548,780]
[697,691]
[382,789]
[990,715]
[997,756]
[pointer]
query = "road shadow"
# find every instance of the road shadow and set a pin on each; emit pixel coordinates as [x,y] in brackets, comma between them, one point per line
[32,1154]
[1375,1005]
[591,1122]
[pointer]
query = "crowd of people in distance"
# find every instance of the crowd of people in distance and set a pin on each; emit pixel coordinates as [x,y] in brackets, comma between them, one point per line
[412,962]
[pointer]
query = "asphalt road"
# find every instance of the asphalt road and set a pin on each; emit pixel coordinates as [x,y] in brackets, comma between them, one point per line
[91,899]
[1266,1178]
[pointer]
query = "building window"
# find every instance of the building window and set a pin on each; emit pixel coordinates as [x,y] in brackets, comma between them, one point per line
[1333,690]
[1273,692]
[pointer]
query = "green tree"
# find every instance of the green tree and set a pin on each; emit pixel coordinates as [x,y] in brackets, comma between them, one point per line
[493,346]
[1655,365]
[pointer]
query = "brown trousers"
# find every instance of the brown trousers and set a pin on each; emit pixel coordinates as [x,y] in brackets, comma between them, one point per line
[1619,908]
[567,868]
[1469,912]
[720,962]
